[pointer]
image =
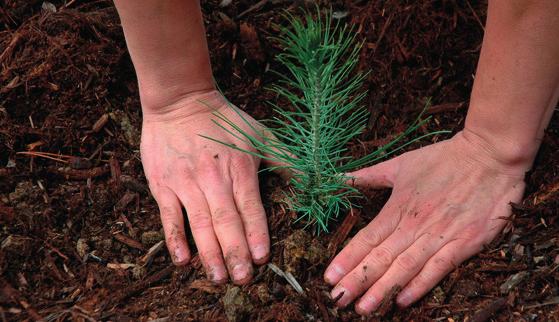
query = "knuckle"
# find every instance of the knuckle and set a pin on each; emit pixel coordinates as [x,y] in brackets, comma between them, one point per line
[473,237]
[198,220]
[243,163]
[209,169]
[368,239]
[442,265]
[407,262]
[175,236]
[168,213]
[383,256]
[251,209]
[419,283]
[187,174]
[210,256]
[360,243]
[224,217]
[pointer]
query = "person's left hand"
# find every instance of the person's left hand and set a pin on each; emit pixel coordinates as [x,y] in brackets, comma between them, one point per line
[448,200]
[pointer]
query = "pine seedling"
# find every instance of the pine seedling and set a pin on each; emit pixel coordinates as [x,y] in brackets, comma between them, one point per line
[310,139]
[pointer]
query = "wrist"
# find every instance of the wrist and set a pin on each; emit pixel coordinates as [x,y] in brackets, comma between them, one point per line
[157,99]
[505,154]
[189,106]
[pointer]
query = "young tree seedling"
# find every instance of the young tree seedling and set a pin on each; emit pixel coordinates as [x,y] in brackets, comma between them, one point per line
[310,139]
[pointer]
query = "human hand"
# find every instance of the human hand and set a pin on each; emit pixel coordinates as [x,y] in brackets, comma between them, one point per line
[448,200]
[217,185]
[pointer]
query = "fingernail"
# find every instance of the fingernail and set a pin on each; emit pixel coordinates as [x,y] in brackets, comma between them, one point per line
[405,298]
[180,256]
[366,305]
[340,295]
[259,252]
[240,272]
[217,274]
[333,274]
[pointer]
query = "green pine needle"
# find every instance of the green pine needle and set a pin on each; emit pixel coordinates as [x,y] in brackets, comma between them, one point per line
[322,87]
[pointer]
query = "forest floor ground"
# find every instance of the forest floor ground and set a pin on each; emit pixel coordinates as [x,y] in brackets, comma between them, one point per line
[67,86]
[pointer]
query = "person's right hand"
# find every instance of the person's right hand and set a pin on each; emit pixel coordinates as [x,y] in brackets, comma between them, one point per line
[217,185]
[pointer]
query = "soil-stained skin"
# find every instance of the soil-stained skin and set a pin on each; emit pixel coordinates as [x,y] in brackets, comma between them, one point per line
[177,236]
[233,259]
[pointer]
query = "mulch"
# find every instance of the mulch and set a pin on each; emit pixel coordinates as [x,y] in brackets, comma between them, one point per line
[80,237]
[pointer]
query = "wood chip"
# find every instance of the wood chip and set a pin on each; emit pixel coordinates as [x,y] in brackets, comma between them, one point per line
[100,123]
[120,265]
[206,286]
[152,252]
[125,200]
[128,241]
[75,174]
[341,234]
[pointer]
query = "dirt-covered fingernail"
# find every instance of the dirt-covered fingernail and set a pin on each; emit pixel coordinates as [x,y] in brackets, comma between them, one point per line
[340,295]
[217,274]
[366,305]
[405,298]
[333,274]
[259,254]
[241,273]
[180,256]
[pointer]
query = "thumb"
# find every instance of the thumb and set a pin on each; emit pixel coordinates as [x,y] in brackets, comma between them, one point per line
[381,175]
[272,161]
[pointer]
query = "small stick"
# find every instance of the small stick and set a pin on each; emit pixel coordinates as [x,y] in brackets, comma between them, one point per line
[342,232]
[76,174]
[43,155]
[154,250]
[140,286]
[128,241]
[54,249]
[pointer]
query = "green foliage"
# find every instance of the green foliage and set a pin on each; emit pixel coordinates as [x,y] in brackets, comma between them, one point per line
[310,139]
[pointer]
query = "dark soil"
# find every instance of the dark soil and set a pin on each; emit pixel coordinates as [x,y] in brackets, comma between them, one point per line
[67,86]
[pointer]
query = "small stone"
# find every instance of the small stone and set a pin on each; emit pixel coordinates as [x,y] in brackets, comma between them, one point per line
[236,304]
[82,247]
[150,238]
[138,272]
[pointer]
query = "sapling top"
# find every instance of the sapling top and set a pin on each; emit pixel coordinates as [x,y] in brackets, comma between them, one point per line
[310,139]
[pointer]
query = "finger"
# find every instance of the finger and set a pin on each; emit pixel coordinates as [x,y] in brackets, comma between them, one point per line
[247,198]
[362,244]
[377,176]
[173,226]
[403,269]
[271,159]
[227,224]
[200,222]
[436,268]
[371,268]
